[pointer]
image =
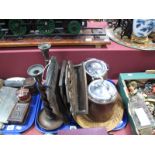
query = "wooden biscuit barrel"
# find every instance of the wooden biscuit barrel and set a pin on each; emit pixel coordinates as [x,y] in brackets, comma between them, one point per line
[102,95]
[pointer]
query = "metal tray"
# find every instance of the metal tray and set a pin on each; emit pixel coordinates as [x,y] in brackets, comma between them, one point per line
[115,36]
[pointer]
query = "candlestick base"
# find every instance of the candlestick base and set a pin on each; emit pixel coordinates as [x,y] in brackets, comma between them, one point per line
[47,122]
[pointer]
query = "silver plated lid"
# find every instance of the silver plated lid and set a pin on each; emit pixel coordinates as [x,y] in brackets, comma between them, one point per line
[95,68]
[102,91]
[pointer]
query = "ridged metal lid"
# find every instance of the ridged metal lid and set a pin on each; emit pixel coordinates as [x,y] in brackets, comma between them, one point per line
[102,91]
[95,68]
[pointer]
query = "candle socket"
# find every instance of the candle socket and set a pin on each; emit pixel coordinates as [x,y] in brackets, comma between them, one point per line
[44,47]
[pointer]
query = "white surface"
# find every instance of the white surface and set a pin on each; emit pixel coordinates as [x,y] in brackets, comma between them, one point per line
[142,116]
[10,127]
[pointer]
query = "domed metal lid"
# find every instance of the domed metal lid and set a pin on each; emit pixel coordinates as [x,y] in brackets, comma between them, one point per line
[102,91]
[95,68]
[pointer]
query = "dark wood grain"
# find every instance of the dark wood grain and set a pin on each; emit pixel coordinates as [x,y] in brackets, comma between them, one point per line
[77,41]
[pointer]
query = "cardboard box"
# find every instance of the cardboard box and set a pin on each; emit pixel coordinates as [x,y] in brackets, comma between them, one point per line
[122,86]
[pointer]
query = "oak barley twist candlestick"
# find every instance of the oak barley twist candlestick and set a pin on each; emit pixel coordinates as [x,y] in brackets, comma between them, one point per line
[47,119]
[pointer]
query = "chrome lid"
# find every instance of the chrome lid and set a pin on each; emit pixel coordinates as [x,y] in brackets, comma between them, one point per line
[95,68]
[102,91]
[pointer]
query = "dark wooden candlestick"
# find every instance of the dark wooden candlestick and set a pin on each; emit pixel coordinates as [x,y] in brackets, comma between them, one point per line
[47,119]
